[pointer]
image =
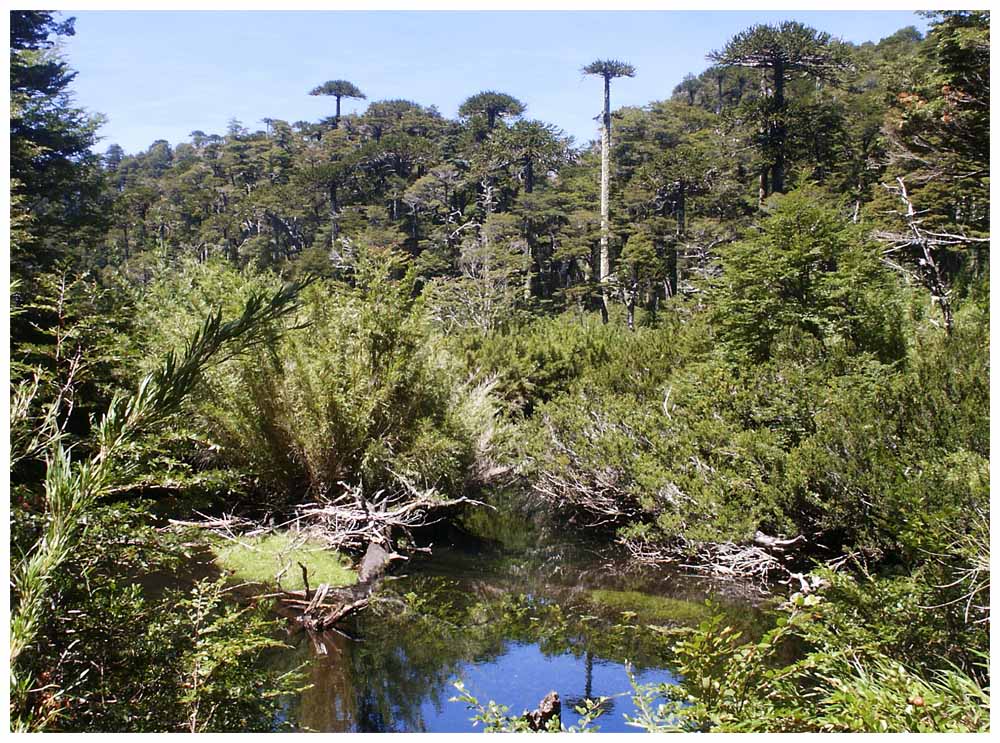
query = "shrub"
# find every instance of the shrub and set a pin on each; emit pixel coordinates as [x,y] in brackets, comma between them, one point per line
[134,643]
[360,392]
[866,666]
[807,268]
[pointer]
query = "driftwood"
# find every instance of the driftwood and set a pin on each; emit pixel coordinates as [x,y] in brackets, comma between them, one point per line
[353,520]
[550,708]
[348,521]
[321,610]
[762,562]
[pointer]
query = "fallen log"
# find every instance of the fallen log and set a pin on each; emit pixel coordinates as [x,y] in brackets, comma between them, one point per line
[320,610]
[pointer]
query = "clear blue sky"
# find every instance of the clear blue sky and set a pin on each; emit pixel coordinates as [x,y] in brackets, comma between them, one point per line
[161,75]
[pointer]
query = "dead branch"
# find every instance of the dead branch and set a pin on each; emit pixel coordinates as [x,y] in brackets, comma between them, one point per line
[922,243]
[350,521]
[761,563]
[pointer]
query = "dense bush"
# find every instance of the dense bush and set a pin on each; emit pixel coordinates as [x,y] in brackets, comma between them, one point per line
[74,566]
[807,268]
[359,392]
[848,424]
[873,655]
[129,647]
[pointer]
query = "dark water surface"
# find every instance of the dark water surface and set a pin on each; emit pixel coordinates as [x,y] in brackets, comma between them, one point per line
[514,617]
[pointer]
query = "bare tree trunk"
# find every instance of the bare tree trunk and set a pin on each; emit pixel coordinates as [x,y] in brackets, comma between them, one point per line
[765,127]
[334,227]
[929,270]
[605,267]
[778,169]
[529,186]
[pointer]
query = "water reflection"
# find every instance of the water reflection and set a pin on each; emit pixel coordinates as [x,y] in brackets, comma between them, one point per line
[511,629]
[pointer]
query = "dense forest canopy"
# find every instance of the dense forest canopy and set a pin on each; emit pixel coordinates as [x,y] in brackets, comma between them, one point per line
[748,329]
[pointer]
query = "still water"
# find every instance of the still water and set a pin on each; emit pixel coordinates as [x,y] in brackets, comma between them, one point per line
[513,616]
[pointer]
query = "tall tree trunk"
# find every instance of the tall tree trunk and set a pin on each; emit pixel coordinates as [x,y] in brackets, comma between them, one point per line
[336,118]
[605,267]
[528,267]
[334,226]
[778,169]
[765,131]
[529,186]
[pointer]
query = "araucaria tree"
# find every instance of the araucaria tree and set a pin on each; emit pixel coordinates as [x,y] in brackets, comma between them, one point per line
[607,69]
[784,51]
[492,105]
[338,89]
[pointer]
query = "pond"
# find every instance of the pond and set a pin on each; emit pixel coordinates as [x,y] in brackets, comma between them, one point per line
[512,610]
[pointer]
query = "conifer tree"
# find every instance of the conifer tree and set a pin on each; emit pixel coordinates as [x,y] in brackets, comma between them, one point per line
[608,69]
[784,51]
[338,89]
[492,105]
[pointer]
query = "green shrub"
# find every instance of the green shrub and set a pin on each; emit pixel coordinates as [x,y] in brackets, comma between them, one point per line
[135,643]
[869,662]
[548,356]
[807,268]
[360,393]
[826,442]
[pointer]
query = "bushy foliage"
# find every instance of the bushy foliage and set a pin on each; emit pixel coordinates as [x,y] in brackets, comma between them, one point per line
[870,660]
[120,653]
[806,268]
[360,392]
[59,493]
[826,411]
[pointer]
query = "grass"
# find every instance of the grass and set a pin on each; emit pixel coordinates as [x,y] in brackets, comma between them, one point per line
[260,560]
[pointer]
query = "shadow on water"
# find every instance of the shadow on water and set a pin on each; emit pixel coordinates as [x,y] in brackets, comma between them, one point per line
[514,611]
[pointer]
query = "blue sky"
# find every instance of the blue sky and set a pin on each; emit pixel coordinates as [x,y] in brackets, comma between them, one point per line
[161,75]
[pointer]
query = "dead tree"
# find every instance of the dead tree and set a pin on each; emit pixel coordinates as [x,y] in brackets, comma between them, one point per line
[921,244]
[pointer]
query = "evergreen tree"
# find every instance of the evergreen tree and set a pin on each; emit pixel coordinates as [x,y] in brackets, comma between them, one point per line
[492,106]
[607,69]
[56,186]
[783,51]
[338,89]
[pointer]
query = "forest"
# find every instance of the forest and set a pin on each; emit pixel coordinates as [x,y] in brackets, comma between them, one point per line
[707,397]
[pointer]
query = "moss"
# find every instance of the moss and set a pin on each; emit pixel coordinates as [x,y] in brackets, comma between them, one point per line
[649,608]
[260,560]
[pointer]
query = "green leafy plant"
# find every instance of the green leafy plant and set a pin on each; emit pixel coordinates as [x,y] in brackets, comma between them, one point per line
[850,675]
[496,718]
[72,488]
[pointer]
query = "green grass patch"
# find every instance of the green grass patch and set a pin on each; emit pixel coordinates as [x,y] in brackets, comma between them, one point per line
[260,560]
